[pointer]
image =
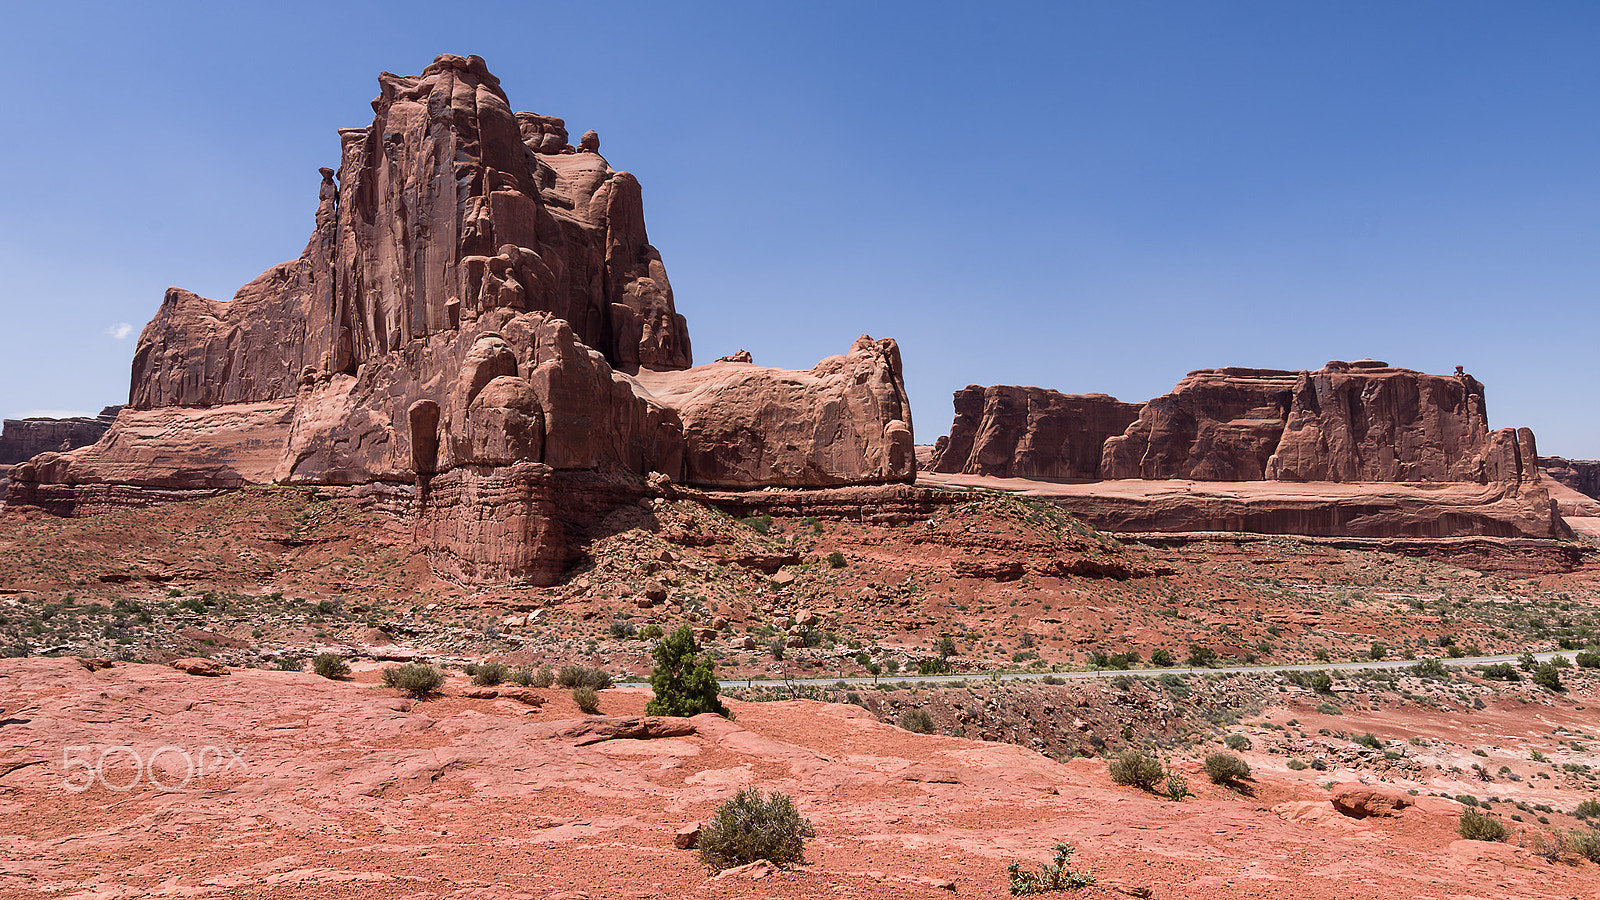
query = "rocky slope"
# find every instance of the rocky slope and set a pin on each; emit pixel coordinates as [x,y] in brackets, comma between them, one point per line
[1582,475]
[469,334]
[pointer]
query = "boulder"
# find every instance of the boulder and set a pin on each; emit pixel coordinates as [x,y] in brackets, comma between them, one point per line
[200,666]
[1359,801]
[687,837]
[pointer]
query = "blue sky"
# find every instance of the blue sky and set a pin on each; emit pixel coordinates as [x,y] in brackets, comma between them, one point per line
[1081,196]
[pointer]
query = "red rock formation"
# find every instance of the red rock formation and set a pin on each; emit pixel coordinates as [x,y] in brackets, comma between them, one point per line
[22,439]
[1582,475]
[1357,422]
[1029,432]
[457,340]
[846,421]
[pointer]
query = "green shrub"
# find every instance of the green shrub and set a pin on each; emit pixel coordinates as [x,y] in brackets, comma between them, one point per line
[1467,800]
[1377,651]
[583,676]
[1429,668]
[1588,809]
[751,827]
[1136,769]
[1161,657]
[1052,680]
[1225,768]
[416,679]
[587,698]
[684,681]
[1328,709]
[1322,682]
[1501,672]
[836,560]
[330,665]
[1201,655]
[623,630]
[1548,678]
[1175,685]
[1370,740]
[490,674]
[1476,826]
[1588,660]
[935,666]
[760,524]
[1054,877]
[524,676]
[289,664]
[651,632]
[1586,844]
[1236,742]
[917,719]
[1177,786]
[543,678]
[1297,765]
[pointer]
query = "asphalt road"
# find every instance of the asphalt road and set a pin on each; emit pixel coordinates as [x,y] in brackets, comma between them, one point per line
[1355,666]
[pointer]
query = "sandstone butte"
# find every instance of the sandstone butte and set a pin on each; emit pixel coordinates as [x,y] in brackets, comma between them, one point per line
[480,339]
[1354,448]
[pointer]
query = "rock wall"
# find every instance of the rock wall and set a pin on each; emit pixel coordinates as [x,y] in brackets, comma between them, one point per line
[1029,432]
[22,439]
[1582,475]
[1357,422]
[467,321]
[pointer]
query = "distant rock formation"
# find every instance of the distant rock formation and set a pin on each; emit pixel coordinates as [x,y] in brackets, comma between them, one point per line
[22,439]
[469,338]
[1029,432]
[1358,422]
[1582,475]
[1361,422]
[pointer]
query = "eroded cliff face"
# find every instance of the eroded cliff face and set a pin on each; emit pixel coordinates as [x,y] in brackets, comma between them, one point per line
[1363,421]
[1029,432]
[1582,475]
[460,340]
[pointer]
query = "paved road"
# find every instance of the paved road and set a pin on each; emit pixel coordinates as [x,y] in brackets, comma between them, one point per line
[1112,673]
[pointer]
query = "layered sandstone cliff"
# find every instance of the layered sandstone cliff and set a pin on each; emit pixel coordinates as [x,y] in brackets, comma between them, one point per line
[22,439]
[469,336]
[1029,432]
[1361,422]
[1582,475]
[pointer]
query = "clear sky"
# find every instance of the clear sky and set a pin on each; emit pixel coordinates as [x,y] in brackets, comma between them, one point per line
[1086,196]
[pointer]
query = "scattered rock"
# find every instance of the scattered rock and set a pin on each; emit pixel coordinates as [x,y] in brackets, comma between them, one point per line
[1359,801]
[200,666]
[687,838]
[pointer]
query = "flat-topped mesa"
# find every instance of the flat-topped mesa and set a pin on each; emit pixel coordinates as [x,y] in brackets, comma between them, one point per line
[1029,432]
[448,206]
[1361,421]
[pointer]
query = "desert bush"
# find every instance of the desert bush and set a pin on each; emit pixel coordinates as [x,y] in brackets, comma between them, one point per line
[777,647]
[1588,660]
[751,827]
[935,666]
[1298,765]
[651,632]
[623,630]
[1175,685]
[1501,672]
[1322,682]
[1588,809]
[1429,668]
[1136,769]
[684,681]
[490,674]
[1225,768]
[1053,680]
[1548,678]
[836,560]
[523,676]
[583,676]
[287,663]
[1177,786]
[1054,877]
[1201,655]
[544,678]
[587,698]
[416,679]
[1236,742]
[917,719]
[1161,657]
[1476,826]
[1586,844]
[330,665]
[1369,740]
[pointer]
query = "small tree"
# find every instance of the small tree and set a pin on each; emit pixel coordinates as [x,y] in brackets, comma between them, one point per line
[1548,678]
[684,681]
